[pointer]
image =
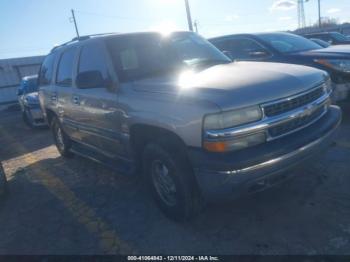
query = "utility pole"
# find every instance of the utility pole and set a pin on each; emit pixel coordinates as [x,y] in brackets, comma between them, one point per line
[319,13]
[301,14]
[189,19]
[75,24]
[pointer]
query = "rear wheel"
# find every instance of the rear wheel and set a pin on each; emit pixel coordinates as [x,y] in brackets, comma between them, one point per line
[171,182]
[62,141]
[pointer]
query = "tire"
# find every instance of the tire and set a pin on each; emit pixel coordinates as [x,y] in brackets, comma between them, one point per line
[171,182]
[62,141]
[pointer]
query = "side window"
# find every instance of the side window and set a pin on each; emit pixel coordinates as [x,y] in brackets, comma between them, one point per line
[46,70]
[65,68]
[92,59]
[245,48]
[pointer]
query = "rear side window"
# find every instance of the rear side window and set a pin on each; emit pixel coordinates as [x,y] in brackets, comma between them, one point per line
[242,48]
[92,59]
[65,67]
[46,70]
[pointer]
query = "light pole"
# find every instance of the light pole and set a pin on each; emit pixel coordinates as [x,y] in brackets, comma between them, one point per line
[319,13]
[189,19]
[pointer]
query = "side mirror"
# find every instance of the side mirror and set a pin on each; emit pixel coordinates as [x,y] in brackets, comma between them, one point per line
[228,54]
[90,79]
[258,54]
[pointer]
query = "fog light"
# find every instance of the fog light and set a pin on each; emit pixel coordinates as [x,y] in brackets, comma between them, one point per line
[235,144]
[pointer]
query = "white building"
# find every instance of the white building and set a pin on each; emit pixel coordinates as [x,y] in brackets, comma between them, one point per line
[12,71]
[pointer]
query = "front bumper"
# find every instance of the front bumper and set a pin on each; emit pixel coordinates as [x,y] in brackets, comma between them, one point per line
[228,175]
[37,116]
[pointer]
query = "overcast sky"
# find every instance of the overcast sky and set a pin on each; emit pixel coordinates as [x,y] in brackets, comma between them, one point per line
[33,27]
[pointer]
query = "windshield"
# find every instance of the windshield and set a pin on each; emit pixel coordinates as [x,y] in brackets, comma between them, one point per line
[30,85]
[320,42]
[147,55]
[339,36]
[289,43]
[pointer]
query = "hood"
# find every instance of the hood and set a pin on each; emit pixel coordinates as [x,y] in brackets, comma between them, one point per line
[32,98]
[336,52]
[237,84]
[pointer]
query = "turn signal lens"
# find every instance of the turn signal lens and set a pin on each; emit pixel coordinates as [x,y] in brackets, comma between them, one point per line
[235,144]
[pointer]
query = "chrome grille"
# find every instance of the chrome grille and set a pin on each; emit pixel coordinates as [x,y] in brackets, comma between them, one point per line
[295,124]
[293,103]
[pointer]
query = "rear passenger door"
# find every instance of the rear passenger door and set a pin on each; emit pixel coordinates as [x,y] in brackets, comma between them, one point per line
[66,71]
[47,90]
[98,105]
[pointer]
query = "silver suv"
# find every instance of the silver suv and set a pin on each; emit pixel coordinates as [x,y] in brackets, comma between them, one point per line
[176,109]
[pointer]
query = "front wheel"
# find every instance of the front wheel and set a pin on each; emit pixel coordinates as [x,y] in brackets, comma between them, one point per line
[171,182]
[62,141]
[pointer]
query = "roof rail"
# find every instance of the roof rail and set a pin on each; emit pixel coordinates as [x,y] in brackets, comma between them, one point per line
[80,38]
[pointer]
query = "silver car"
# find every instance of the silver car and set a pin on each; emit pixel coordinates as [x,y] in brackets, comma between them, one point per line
[29,101]
[173,107]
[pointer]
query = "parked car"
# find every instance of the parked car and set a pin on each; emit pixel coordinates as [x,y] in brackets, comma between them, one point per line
[177,110]
[292,49]
[28,99]
[320,42]
[3,182]
[333,38]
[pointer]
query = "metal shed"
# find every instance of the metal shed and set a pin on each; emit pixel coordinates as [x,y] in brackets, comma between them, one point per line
[12,70]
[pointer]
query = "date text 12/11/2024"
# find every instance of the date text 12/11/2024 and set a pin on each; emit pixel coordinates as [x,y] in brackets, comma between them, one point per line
[173,258]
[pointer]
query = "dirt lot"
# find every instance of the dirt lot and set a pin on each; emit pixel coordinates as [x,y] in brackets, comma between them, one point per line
[59,206]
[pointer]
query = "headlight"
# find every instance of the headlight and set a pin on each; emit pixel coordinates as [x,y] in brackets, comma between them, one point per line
[30,102]
[337,64]
[328,87]
[232,118]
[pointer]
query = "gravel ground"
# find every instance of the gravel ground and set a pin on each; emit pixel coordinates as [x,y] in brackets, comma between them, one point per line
[75,206]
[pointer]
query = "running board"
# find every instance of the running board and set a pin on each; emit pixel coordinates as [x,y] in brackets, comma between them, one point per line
[119,165]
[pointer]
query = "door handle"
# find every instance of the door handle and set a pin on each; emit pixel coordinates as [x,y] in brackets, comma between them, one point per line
[76,100]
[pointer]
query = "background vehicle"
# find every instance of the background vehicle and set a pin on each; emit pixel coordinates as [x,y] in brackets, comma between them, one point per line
[333,38]
[175,108]
[320,42]
[3,181]
[292,49]
[29,101]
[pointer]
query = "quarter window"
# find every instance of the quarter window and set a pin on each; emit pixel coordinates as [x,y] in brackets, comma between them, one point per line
[65,68]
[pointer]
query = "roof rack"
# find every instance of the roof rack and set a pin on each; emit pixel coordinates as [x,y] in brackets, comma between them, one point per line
[80,38]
